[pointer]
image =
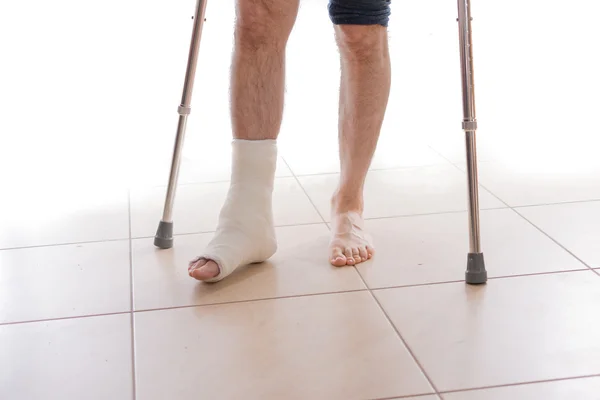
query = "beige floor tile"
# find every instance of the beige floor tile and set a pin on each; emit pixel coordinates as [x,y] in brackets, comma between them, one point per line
[575,226]
[509,331]
[299,267]
[433,248]
[541,182]
[211,165]
[447,138]
[197,207]
[428,397]
[48,214]
[64,281]
[573,389]
[316,155]
[318,347]
[433,189]
[81,358]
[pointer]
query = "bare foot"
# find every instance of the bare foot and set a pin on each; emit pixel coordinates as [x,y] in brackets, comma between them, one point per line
[350,244]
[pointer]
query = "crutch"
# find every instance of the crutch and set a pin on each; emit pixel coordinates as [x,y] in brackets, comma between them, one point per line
[164,234]
[476,273]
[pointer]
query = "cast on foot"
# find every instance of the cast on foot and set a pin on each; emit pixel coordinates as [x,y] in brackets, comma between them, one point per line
[245,232]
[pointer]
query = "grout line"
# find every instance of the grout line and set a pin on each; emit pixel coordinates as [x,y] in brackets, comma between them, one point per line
[328,222]
[515,210]
[207,232]
[415,284]
[210,182]
[410,351]
[376,289]
[551,238]
[396,168]
[394,327]
[409,396]
[178,307]
[64,244]
[434,213]
[540,273]
[137,238]
[520,383]
[506,207]
[131,302]
[594,200]
[489,278]
[478,181]
[558,203]
[225,303]
[65,318]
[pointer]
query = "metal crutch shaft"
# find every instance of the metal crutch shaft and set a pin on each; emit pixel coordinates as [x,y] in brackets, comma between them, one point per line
[476,272]
[164,233]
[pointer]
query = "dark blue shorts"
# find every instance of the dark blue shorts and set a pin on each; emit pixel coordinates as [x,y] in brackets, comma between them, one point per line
[359,12]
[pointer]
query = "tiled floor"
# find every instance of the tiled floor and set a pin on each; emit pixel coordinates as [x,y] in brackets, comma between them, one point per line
[89,309]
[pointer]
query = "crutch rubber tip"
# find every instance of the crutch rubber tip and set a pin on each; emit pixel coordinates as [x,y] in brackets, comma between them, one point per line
[164,235]
[476,273]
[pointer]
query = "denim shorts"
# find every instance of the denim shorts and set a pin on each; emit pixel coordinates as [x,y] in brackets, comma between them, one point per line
[359,12]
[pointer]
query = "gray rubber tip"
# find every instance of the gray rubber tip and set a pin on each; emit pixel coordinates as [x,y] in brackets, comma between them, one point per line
[476,273]
[164,235]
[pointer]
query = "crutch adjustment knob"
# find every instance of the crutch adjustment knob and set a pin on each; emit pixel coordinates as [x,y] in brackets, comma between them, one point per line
[469,125]
[183,110]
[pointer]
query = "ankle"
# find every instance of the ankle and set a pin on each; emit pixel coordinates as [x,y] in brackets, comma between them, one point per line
[343,202]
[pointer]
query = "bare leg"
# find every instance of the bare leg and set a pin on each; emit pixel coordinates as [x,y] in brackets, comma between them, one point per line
[258,67]
[364,92]
[257,88]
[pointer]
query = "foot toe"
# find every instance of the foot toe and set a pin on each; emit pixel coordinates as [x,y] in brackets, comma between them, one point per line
[349,256]
[356,255]
[195,264]
[339,261]
[208,270]
[370,251]
[337,257]
[362,251]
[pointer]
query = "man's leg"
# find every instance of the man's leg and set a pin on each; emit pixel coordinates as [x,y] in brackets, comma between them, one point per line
[365,85]
[245,233]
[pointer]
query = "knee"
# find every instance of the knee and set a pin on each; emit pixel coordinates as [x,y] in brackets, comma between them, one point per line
[261,23]
[360,12]
[360,42]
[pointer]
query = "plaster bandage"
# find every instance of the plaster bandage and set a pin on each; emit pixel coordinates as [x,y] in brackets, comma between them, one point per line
[245,232]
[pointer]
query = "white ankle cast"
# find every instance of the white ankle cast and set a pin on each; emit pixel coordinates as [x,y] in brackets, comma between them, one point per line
[245,232]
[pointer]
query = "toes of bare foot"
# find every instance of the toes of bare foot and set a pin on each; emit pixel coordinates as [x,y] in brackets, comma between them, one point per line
[362,252]
[337,257]
[349,256]
[370,252]
[350,244]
